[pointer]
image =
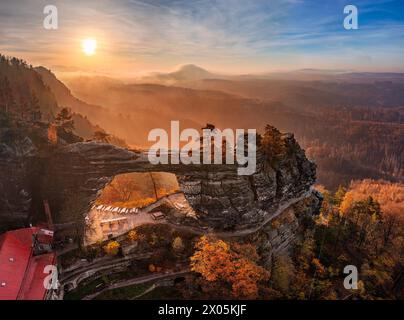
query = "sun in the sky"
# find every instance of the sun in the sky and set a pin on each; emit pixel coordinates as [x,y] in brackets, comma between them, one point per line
[89,46]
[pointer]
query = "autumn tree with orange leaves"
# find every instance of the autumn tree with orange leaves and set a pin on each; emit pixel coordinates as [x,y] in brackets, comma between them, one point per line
[218,262]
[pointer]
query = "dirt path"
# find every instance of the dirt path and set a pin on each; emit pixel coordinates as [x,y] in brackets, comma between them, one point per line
[244,232]
[78,273]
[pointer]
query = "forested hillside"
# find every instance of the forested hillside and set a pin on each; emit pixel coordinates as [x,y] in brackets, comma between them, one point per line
[347,138]
[360,226]
[26,101]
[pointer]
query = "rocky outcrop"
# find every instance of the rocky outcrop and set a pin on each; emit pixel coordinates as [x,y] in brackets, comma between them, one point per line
[278,236]
[223,200]
[72,176]
[226,200]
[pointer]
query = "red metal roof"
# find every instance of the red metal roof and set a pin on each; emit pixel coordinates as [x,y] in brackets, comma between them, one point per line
[33,284]
[21,273]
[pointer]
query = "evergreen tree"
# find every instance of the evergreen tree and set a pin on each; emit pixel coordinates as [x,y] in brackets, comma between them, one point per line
[35,110]
[6,95]
[64,120]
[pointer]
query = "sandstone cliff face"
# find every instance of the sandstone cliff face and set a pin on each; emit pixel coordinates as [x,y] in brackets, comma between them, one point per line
[278,236]
[72,177]
[228,201]
[223,200]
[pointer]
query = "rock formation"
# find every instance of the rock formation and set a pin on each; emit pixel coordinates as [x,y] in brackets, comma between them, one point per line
[73,175]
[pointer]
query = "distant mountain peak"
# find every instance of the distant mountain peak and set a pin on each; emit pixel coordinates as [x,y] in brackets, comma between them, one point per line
[187,72]
[191,67]
[192,71]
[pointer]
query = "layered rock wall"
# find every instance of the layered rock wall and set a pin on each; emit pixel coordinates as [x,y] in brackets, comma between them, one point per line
[74,175]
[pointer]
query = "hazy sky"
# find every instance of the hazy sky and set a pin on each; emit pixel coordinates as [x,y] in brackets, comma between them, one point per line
[235,36]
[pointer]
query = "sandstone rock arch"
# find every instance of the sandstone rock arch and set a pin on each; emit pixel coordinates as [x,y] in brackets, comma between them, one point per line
[76,173]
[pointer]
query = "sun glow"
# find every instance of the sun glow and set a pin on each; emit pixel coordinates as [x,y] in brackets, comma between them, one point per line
[89,46]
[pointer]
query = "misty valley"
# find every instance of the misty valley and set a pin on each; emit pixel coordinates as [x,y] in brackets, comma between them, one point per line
[202,158]
[81,166]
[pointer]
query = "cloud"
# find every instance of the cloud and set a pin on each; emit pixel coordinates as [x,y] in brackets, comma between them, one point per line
[215,32]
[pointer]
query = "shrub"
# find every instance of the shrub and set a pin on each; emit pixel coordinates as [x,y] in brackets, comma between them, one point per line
[275,224]
[178,244]
[112,248]
[218,263]
[133,236]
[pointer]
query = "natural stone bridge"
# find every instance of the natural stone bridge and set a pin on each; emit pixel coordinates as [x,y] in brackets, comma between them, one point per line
[76,173]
